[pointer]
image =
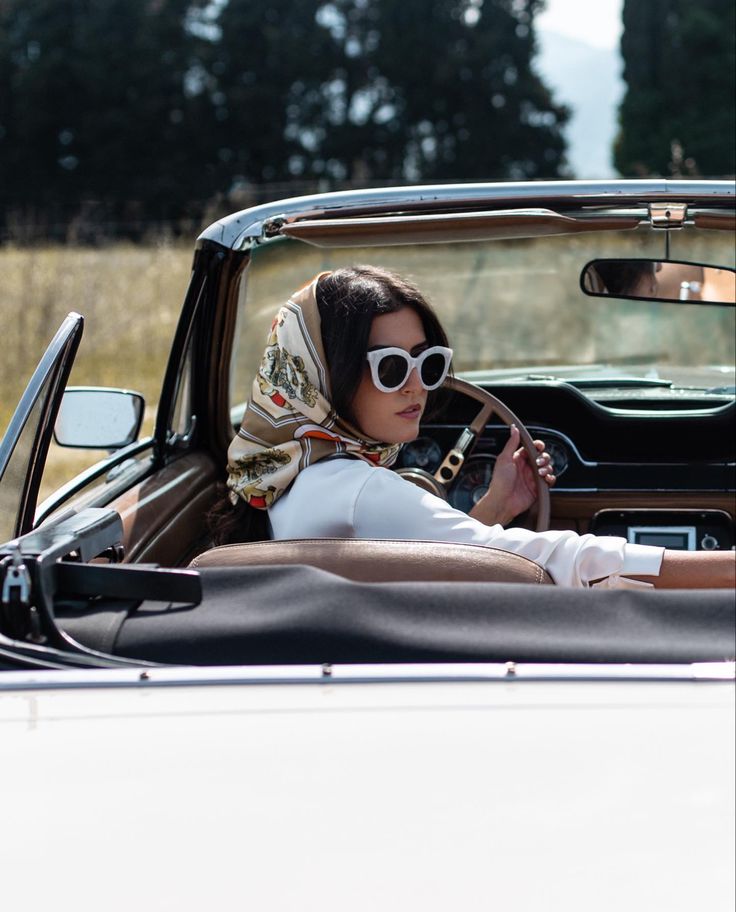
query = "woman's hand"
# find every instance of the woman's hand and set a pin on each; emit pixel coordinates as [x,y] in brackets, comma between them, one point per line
[513,486]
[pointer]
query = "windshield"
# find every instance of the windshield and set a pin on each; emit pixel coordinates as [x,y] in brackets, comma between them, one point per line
[518,304]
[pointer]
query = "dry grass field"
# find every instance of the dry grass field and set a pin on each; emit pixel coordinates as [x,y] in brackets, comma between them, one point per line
[130,297]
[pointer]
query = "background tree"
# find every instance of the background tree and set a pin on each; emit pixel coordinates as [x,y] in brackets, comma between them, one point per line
[96,104]
[452,91]
[270,71]
[678,112]
[387,90]
[148,109]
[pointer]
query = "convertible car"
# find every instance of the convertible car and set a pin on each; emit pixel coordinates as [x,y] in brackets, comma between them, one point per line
[390,723]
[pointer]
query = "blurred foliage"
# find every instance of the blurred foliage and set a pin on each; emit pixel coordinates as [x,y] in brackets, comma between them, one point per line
[94,106]
[131,111]
[386,90]
[678,117]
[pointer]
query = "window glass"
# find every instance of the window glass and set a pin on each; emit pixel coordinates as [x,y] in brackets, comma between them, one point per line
[513,304]
[16,472]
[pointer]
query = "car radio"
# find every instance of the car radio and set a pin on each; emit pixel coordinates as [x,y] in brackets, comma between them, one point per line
[682,530]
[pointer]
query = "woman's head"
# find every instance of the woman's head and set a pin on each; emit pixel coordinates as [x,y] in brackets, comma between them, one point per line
[363,308]
[290,422]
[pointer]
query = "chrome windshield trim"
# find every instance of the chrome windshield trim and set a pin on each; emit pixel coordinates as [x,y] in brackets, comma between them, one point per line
[359,674]
[242,229]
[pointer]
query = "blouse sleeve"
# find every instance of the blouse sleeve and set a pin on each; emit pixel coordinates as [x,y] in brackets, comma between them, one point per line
[386,506]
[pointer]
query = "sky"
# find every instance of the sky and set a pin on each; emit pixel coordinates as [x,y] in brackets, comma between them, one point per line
[596,22]
[585,75]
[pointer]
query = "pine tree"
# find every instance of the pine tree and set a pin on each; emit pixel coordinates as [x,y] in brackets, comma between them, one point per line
[678,116]
[96,104]
[386,90]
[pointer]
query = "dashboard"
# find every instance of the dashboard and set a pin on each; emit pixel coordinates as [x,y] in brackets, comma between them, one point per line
[651,472]
[426,452]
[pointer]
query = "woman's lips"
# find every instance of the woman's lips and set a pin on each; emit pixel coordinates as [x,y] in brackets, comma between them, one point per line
[412,412]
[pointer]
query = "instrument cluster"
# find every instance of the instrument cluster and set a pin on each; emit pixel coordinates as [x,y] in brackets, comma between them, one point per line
[475,476]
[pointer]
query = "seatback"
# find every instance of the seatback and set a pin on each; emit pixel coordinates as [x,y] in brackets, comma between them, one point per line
[381,561]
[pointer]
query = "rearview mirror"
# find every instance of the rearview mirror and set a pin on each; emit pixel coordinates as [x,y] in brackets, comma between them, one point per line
[93,418]
[659,280]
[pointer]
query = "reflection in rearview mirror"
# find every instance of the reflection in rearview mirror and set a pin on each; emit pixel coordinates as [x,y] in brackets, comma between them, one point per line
[98,419]
[660,281]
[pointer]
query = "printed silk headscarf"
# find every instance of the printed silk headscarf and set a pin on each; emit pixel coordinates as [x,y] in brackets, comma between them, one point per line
[289,422]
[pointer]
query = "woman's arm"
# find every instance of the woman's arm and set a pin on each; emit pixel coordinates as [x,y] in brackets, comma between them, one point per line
[386,506]
[513,490]
[695,570]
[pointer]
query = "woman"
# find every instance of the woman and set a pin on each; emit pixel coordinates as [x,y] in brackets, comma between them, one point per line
[350,366]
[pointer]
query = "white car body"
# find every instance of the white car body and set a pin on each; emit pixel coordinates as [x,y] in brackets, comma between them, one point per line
[415,787]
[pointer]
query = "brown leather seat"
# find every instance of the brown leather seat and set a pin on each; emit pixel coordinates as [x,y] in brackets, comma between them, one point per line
[374,561]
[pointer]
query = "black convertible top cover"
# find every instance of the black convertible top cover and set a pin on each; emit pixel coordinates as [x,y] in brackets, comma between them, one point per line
[302,615]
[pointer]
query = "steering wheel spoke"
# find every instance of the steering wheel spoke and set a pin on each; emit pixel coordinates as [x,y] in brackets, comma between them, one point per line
[453,461]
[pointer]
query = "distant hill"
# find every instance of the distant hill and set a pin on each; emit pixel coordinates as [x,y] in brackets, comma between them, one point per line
[588,80]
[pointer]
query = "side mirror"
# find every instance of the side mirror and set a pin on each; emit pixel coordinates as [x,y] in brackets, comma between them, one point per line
[660,280]
[94,418]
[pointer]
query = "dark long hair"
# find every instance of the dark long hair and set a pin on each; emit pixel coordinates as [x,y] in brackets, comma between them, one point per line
[621,277]
[348,299]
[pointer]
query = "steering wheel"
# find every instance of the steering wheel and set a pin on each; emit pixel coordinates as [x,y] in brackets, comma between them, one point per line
[440,482]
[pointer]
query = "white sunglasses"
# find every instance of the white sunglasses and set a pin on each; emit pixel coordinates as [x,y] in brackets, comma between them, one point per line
[391,367]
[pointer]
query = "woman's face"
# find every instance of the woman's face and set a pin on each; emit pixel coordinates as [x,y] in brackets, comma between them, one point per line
[392,417]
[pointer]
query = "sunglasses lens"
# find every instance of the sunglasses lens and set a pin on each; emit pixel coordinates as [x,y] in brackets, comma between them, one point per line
[392,371]
[434,368]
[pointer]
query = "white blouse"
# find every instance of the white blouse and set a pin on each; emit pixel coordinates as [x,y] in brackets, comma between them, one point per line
[349,498]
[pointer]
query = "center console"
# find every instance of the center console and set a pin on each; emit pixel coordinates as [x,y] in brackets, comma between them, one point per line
[683,530]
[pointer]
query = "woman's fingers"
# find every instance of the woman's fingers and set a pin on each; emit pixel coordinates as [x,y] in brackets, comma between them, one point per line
[543,462]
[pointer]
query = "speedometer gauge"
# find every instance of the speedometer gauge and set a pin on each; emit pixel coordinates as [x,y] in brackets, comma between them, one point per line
[472,483]
[559,457]
[422,453]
